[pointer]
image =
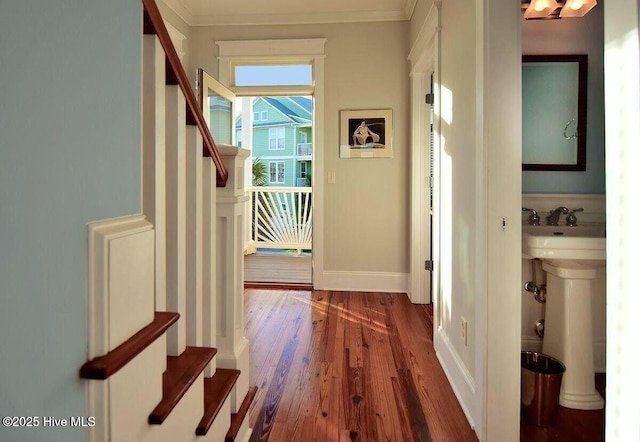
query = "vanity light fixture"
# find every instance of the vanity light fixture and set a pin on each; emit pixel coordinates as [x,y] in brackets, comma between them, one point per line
[540,9]
[552,9]
[577,8]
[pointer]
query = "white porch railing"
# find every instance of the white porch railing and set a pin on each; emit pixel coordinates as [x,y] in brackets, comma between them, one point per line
[304,149]
[281,218]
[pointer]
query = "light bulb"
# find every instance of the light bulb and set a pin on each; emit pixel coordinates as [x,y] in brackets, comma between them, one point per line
[575,4]
[541,5]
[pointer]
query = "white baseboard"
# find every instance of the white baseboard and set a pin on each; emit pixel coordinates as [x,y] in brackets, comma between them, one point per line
[461,381]
[365,281]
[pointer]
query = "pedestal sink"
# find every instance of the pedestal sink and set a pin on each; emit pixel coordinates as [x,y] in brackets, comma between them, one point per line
[584,241]
[572,258]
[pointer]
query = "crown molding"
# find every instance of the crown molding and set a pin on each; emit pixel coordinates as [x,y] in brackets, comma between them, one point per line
[182,11]
[297,19]
[289,19]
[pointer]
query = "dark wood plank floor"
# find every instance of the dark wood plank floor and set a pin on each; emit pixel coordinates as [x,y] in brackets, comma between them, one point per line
[347,366]
[572,425]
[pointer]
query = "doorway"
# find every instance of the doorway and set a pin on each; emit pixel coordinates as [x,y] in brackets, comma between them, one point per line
[276,129]
[424,208]
[269,53]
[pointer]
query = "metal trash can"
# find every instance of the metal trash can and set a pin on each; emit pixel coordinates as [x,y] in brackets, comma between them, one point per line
[541,378]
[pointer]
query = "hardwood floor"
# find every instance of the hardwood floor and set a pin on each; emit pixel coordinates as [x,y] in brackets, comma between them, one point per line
[572,425]
[347,366]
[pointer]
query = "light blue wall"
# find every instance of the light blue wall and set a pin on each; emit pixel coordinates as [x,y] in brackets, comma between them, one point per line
[573,36]
[70,128]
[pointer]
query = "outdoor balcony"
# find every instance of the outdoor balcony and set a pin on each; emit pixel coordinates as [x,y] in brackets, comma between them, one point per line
[278,248]
[304,151]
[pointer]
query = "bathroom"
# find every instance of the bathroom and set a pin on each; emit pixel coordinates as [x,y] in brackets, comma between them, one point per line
[547,190]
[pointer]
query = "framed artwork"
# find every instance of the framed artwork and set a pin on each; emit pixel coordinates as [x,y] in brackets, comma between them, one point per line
[366,133]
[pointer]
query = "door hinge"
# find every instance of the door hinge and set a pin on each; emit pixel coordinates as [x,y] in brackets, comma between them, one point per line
[429,98]
[428,265]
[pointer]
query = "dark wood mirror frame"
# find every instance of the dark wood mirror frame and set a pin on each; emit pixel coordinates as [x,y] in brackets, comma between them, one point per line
[582,60]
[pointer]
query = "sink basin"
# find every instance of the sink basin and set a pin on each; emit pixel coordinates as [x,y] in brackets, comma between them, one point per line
[584,241]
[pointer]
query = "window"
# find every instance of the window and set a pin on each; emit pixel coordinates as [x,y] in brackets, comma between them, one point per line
[303,137]
[276,172]
[273,75]
[303,170]
[276,138]
[256,116]
[264,115]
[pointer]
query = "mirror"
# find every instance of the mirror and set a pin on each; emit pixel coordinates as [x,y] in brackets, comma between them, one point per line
[216,102]
[554,112]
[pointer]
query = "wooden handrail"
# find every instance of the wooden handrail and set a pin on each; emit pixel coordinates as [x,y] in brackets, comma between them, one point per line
[154,25]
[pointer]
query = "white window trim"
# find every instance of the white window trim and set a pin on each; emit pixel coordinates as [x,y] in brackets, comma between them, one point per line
[312,50]
[299,51]
[284,172]
[256,116]
[264,114]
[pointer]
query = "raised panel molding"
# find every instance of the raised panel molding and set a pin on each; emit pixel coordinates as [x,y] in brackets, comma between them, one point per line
[120,281]
[121,300]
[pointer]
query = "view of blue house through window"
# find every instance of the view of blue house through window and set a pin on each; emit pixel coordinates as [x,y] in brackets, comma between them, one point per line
[282,134]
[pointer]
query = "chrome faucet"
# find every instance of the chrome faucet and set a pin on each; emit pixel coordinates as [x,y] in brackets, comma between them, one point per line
[572,221]
[534,218]
[554,215]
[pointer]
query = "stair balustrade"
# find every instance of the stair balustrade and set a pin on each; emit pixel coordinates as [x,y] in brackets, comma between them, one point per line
[165,287]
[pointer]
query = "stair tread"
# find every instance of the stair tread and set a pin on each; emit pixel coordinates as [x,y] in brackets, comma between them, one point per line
[216,390]
[238,418]
[102,367]
[182,371]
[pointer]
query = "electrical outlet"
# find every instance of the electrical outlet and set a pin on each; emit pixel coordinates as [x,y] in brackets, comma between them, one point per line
[463,330]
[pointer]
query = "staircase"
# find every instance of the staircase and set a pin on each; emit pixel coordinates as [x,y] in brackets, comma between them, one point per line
[168,359]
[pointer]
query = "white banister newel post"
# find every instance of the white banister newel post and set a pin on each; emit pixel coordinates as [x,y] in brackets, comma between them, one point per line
[233,347]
